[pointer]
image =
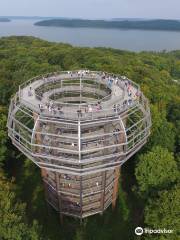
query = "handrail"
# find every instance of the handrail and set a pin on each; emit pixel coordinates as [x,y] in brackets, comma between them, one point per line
[100,73]
[89,75]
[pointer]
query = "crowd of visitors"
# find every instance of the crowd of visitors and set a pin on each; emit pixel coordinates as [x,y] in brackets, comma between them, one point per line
[131,94]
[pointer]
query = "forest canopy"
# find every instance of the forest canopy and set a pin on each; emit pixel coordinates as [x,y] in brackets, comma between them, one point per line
[149,181]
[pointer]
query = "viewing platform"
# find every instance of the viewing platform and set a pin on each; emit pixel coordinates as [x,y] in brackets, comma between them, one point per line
[79,94]
[79,127]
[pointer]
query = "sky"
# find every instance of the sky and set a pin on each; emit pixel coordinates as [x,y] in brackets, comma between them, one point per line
[92,9]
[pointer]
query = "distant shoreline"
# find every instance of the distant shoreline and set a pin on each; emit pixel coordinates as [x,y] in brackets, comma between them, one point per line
[5,20]
[170,25]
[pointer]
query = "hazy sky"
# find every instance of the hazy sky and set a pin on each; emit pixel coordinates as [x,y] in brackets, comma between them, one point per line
[92,8]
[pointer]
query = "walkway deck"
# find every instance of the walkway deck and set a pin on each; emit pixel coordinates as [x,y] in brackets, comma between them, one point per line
[123,94]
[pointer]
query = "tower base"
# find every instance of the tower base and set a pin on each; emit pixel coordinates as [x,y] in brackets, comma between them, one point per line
[81,196]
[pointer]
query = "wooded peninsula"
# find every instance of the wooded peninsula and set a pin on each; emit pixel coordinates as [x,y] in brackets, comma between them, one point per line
[5,20]
[170,25]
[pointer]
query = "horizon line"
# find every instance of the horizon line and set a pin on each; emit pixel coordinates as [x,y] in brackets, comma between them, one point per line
[55,17]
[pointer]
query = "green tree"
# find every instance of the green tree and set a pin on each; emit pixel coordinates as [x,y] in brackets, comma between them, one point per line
[155,170]
[79,234]
[163,132]
[174,117]
[3,137]
[163,212]
[13,223]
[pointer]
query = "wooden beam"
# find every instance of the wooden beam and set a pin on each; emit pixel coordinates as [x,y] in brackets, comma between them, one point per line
[115,188]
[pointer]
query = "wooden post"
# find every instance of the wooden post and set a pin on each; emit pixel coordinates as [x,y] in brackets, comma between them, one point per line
[103,192]
[59,197]
[115,189]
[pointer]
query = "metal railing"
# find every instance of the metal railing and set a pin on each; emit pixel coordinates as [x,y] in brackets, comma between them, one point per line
[95,76]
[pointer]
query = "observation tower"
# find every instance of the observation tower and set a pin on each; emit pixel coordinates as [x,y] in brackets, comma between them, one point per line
[79,127]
